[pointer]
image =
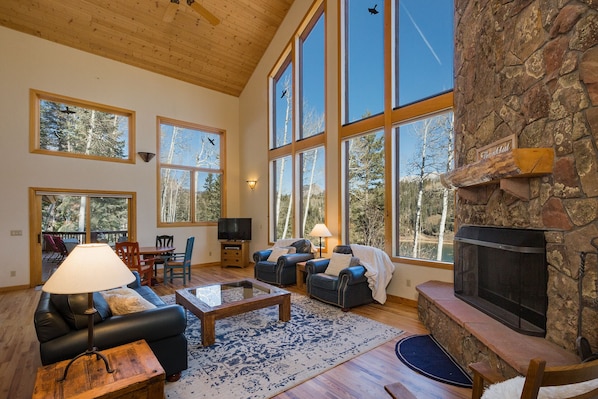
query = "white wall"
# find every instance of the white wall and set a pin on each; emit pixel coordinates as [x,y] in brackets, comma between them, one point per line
[29,62]
[254,149]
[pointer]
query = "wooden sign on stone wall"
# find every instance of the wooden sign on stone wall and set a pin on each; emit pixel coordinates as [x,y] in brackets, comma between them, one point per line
[498,147]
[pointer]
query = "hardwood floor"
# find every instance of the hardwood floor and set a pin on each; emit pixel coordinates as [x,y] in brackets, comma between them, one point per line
[361,377]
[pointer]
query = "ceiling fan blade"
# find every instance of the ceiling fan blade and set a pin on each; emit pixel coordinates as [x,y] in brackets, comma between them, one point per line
[203,12]
[171,11]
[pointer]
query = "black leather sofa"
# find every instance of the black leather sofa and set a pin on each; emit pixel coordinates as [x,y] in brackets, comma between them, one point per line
[347,290]
[284,270]
[62,328]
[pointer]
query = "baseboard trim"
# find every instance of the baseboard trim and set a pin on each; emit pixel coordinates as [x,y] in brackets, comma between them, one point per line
[14,288]
[401,301]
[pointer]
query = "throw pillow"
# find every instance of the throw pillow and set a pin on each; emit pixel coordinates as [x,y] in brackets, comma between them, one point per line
[126,300]
[337,263]
[277,253]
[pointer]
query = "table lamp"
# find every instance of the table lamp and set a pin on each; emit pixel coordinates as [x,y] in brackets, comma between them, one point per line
[89,268]
[320,230]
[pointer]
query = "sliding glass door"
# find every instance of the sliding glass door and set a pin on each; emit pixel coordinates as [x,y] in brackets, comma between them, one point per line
[63,219]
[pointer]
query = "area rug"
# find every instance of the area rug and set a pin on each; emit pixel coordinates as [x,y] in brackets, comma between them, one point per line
[423,354]
[258,356]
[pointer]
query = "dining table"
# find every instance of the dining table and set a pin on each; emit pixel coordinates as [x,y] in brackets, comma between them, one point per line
[155,250]
[149,252]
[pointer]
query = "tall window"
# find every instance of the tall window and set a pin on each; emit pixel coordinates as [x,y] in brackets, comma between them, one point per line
[425,207]
[364,61]
[312,167]
[297,153]
[282,190]
[397,82]
[76,128]
[283,106]
[425,49]
[191,173]
[312,80]
[364,166]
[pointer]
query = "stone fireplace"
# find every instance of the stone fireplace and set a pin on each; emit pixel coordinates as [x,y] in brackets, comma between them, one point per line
[529,69]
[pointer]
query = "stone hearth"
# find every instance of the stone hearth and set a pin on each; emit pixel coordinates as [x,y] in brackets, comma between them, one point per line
[529,69]
[472,336]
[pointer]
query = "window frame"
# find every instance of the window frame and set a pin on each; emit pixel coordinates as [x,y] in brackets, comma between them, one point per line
[291,54]
[192,170]
[36,96]
[386,121]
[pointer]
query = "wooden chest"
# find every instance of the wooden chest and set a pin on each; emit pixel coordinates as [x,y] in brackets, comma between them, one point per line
[137,375]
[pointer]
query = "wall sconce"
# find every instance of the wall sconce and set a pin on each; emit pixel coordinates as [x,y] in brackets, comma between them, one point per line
[251,184]
[146,156]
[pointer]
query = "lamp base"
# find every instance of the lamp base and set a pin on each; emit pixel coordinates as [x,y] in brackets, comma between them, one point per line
[92,352]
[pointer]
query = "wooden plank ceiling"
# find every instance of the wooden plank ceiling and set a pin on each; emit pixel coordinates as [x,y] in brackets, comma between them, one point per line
[221,57]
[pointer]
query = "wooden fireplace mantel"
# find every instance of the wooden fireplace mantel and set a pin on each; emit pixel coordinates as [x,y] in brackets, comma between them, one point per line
[511,169]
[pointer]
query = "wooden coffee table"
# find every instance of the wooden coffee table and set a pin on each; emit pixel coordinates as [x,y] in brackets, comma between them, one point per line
[212,302]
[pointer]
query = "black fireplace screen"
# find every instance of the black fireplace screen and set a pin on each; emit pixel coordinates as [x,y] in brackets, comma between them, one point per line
[503,272]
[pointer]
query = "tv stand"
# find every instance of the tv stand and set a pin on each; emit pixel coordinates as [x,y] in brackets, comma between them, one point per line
[234,253]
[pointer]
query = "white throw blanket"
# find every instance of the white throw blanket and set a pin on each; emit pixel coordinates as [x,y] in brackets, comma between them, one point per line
[512,389]
[379,269]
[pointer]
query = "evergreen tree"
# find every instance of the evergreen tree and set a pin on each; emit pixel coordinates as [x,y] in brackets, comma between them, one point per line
[366,190]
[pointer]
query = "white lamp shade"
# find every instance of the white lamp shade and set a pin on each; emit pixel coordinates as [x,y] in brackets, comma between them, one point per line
[89,268]
[320,230]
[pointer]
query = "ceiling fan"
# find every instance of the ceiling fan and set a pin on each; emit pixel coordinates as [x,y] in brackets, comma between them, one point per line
[201,10]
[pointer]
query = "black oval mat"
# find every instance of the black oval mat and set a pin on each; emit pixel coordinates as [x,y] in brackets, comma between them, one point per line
[422,353]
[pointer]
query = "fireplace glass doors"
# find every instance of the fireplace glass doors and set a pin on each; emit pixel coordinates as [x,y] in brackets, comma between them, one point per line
[503,272]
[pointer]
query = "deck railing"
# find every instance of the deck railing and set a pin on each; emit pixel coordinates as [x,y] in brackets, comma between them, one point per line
[109,237]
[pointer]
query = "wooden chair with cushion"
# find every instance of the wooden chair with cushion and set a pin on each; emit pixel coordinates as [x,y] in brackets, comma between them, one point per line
[179,264]
[539,382]
[128,251]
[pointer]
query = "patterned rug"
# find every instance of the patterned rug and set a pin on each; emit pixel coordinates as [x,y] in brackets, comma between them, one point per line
[258,356]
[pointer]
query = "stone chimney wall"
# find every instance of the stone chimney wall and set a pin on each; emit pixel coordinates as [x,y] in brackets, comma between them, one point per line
[529,68]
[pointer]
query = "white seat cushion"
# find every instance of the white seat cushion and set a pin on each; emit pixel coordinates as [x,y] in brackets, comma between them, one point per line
[511,389]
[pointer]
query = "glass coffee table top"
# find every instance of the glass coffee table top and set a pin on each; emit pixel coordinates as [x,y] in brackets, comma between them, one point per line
[217,301]
[226,293]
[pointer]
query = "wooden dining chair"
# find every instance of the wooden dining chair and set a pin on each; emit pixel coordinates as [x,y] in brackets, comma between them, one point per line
[179,264]
[129,253]
[539,376]
[162,241]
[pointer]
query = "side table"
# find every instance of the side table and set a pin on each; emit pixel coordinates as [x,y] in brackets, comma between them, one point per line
[138,374]
[301,275]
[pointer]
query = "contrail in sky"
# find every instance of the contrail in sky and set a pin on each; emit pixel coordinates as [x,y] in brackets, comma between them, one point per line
[421,33]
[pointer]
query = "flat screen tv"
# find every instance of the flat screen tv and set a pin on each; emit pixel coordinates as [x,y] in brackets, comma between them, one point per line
[234,229]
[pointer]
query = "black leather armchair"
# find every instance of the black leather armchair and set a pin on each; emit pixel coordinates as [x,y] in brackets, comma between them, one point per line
[163,328]
[348,289]
[284,270]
